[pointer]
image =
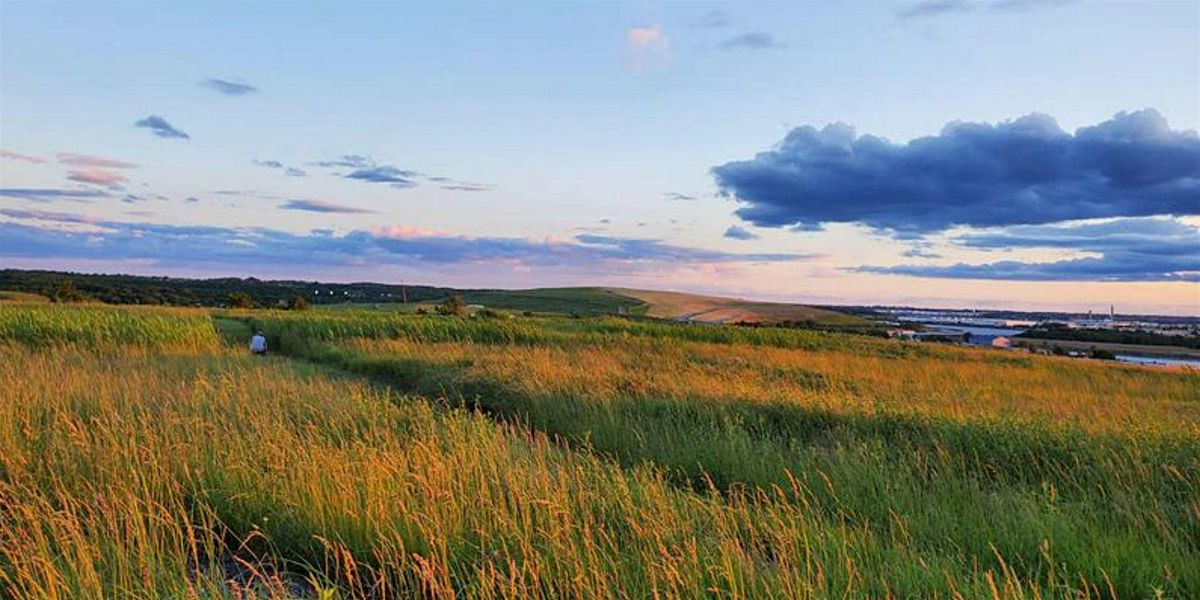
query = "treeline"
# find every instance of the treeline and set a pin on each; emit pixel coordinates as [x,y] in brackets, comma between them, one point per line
[231,291]
[1062,332]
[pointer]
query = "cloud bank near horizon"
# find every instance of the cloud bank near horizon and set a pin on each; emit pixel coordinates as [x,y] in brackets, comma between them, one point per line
[44,234]
[1138,249]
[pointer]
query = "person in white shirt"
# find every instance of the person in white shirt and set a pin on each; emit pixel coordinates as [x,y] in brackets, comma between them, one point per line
[258,344]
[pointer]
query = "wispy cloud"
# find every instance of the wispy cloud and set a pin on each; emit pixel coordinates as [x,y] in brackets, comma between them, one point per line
[274,164]
[48,195]
[753,40]
[321,206]
[678,196]
[160,127]
[84,160]
[191,246]
[229,88]
[43,215]
[738,233]
[713,19]
[18,156]
[97,177]
[385,174]
[934,8]
[353,161]
[463,186]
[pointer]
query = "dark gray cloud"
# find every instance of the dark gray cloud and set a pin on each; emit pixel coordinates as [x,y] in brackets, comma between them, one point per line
[934,8]
[229,88]
[1027,171]
[322,206]
[48,195]
[172,245]
[294,172]
[738,233]
[713,19]
[270,164]
[160,127]
[1138,249]
[754,40]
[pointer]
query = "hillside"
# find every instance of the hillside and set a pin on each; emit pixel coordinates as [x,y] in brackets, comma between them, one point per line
[582,301]
[596,458]
[715,309]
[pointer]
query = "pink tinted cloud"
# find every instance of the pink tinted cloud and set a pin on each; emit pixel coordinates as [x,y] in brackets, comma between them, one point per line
[84,160]
[97,177]
[406,232]
[18,156]
[647,47]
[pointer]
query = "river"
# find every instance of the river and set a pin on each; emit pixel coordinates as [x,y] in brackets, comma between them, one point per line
[984,334]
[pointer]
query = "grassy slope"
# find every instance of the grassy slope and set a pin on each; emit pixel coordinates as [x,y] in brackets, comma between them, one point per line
[581,301]
[836,465]
[593,301]
[7,296]
[584,301]
[713,309]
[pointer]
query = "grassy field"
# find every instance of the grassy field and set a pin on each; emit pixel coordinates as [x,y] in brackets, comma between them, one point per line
[377,455]
[713,309]
[596,301]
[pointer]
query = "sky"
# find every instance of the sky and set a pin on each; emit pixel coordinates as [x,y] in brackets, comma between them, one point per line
[976,153]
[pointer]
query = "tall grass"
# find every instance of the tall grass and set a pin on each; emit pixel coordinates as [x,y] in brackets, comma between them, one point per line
[138,477]
[977,455]
[95,325]
[612,459]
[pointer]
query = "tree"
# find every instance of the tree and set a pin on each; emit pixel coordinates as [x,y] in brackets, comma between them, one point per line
[297,302]
[453,305]
[65,291]
[240,300]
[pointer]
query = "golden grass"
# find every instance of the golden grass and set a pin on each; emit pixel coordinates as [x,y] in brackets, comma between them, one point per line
[145,460]
[979,385]
[714,309]
[138,476]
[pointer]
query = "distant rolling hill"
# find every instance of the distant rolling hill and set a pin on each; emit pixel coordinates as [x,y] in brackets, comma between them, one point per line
[715,309]
[664,305]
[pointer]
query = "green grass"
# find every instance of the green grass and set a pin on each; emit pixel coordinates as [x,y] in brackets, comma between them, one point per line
[98,325]
[395,455]
[563,301]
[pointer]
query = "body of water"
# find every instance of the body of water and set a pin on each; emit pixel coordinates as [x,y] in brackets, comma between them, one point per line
[1160,361]
[983,336]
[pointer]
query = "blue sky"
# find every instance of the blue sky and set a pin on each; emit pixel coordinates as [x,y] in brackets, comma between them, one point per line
[677,145]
